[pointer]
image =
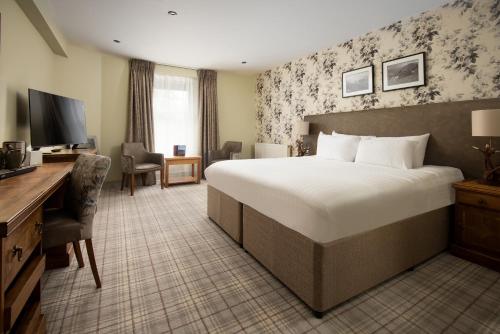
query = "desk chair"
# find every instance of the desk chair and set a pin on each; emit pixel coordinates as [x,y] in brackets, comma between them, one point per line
[136,160]
[74,222]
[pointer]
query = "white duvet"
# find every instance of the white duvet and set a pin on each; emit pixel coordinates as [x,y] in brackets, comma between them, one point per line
[327,200]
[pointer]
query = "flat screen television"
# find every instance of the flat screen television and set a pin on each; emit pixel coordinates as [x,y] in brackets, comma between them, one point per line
[56,120]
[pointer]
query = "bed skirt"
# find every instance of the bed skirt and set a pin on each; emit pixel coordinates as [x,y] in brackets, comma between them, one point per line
[226,212]
[324,275]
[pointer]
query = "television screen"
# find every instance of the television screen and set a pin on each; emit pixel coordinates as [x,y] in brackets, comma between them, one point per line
[56,120]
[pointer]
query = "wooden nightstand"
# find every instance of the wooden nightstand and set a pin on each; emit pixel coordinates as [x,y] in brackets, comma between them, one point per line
[476,230]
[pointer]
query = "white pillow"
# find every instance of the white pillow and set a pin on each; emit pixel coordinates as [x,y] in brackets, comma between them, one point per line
[389,153]
[337,148]
[420,147]
[341,134]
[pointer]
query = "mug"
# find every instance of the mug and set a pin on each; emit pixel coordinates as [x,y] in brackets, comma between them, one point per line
[14,159]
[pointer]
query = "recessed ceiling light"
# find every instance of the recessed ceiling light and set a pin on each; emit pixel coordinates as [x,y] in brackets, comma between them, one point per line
[244,62]
[172,12]
[116,41]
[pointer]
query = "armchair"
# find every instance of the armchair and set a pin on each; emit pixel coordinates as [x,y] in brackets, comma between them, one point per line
[229,151]
[136,160]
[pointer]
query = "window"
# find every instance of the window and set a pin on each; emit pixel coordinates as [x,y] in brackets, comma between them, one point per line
[175,114]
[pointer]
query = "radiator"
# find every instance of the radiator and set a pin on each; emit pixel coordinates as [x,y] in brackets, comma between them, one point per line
[264,150]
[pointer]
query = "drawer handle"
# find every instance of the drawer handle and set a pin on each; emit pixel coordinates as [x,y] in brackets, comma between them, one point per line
[18,251]
[482,201]
[39,227]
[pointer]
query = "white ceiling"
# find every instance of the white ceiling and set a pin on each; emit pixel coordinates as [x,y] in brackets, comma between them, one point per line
[219,34]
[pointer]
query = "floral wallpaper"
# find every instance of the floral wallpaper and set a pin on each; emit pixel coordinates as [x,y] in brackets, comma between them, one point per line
[462,45]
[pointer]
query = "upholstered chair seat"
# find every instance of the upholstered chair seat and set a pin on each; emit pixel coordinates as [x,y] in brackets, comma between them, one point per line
[136,160]
[60,228]
[229,151]
[147,167]
[74,222]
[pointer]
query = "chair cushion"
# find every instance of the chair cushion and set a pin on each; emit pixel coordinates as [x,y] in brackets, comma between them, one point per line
[147,167]
[59,228]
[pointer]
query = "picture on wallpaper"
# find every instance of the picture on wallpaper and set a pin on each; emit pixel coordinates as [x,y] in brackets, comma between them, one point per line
[403,72]
[357,82]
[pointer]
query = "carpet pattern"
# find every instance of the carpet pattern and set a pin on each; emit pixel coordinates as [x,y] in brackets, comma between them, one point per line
[165,268]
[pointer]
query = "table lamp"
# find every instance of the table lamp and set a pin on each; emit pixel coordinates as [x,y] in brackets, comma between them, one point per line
[486,123]
[302,129]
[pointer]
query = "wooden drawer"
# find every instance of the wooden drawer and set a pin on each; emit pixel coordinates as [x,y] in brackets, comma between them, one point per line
[479,200]
[22,289]
[477,228]
[31,321]
[20,244]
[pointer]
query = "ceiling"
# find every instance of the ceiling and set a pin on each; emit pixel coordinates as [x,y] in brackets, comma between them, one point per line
[220,34]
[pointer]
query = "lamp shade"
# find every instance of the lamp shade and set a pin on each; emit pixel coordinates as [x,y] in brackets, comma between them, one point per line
[486,123]
[302,128]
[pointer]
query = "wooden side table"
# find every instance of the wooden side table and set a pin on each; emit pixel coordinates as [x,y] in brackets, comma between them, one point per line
[194,178]
[476,230]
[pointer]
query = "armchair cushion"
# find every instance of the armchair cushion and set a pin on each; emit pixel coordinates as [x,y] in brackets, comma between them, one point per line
[147,167]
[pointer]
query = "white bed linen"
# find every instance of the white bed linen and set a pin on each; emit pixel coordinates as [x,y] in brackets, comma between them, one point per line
[326,200]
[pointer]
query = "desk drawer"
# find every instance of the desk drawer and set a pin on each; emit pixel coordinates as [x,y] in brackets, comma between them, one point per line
[478,200]
[20,244]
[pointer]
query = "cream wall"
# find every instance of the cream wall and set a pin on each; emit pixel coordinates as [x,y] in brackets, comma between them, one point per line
[25,61]
[237,116]
[114,103]
[101,81]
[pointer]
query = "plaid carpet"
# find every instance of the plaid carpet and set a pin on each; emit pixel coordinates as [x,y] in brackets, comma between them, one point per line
[166,268]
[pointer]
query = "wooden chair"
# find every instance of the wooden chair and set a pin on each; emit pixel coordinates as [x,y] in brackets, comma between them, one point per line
[74,222]
[136,160]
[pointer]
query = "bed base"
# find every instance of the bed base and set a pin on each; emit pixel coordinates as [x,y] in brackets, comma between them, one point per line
[226,212]
[324,275]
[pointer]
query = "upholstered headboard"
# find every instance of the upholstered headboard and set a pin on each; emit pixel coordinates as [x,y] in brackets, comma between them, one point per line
[448,123]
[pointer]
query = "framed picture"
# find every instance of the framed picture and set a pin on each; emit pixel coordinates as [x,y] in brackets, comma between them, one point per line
[403,72]
[357,82]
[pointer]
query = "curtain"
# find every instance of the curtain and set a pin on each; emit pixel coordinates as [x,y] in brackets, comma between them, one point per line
[207,103]
[140,113]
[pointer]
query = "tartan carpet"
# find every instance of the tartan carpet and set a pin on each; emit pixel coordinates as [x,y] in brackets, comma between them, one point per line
[166,268]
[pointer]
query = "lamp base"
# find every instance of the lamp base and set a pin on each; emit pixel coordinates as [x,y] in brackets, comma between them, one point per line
[302,149]
[491,177]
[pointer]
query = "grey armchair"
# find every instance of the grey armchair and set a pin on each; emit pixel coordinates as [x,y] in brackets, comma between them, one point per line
[136,160]
[229,151]
[74,222]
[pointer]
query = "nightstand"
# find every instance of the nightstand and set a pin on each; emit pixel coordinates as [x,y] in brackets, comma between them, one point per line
[476,230]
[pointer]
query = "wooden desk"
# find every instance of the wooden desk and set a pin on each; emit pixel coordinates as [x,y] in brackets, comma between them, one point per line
[194,178]
[67,155]
[21,259]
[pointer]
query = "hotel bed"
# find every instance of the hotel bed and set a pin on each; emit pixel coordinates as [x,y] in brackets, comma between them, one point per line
[330,230]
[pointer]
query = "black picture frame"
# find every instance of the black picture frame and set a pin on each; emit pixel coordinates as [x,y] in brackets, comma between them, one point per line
[371,77]
[422,78]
